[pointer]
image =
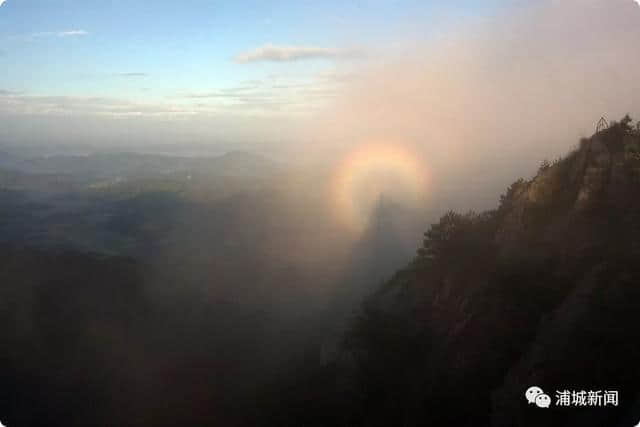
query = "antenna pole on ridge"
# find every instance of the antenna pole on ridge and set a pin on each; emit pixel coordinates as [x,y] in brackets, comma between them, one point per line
[602,125]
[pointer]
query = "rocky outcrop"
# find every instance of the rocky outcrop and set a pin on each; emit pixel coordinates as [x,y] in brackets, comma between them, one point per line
[543,291]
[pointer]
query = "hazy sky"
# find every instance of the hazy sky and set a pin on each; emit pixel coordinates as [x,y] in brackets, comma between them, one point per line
[238,71]
[198,56]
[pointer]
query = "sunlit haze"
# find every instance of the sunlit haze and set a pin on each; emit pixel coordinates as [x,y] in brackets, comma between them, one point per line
[319,213]
[461,82]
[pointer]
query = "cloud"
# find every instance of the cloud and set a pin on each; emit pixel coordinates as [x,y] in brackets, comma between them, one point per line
[2,2]
[275,53]
[16,103]
[65,33]
[133,74]
[301,95]
[237,101]
[486,102]
[72,33]
[47,34]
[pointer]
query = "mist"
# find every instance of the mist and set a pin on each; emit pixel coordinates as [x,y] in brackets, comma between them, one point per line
[485,101]
[247,238]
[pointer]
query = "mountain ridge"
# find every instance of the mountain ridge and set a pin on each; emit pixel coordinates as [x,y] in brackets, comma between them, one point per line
[506,282]
[539,291]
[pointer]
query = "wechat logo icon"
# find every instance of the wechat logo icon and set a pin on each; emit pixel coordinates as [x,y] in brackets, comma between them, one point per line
[536,396]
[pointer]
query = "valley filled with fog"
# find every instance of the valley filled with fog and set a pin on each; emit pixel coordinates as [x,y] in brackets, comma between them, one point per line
[250,271]
[318,213]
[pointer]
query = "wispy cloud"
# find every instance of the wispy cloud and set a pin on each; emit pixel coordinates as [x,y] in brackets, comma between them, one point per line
[71,33]
[274,94]
[20,104]
[2,2]
[47,34]
[16,104]
[276,53]
[135,74]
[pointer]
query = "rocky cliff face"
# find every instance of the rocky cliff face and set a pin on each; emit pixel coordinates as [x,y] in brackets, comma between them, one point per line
[604,171]
[543,291]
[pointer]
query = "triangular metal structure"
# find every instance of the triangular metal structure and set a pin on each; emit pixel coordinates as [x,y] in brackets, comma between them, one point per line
[602,125]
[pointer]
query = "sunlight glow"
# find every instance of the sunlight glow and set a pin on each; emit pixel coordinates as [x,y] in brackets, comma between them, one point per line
[376,172]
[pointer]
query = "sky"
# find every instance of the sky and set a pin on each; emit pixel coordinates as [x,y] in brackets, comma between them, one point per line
[135,72]
[218,59]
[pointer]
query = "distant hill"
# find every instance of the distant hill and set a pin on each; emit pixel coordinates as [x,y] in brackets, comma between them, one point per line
[137,165]
[541,291]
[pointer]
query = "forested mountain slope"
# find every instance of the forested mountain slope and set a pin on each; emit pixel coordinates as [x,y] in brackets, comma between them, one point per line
[544,290]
